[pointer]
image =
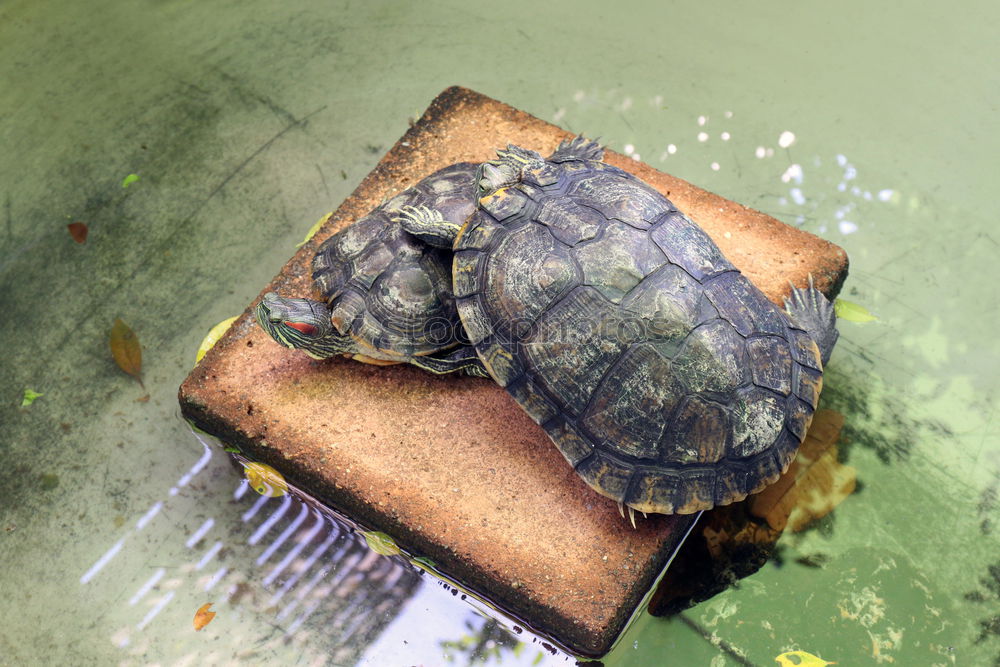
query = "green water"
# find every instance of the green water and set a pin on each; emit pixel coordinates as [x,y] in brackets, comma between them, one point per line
[248,121]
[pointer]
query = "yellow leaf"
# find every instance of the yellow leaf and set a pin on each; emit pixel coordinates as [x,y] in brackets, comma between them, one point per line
[203,616]
[315,228]
[381,543]
[126,350]
[214,334]
[800,659]
[265,480]
[814,483]
[852,312]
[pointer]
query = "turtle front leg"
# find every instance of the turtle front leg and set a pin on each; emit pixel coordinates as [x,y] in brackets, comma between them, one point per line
[428,225]
[462,358]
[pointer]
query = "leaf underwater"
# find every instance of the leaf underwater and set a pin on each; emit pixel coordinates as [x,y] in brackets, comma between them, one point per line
[126,350]
[78,231]
[29,397]
[315,228]
[381,543]
[265,480]
[852,312]
[213,336]
[800,659]
[203,616]
[814,484]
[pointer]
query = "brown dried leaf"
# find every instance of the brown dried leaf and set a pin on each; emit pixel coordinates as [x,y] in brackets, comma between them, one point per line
[78,231]
[814,483]
[126,350]
[203,616]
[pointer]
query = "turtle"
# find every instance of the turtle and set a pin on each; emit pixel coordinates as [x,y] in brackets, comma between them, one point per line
[667,380]
[385,293]
[383,296]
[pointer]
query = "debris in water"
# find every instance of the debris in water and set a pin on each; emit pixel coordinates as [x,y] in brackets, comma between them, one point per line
[126,350]
[29,397]
[800,659]
[852,312]
[381,543]
[213,336]
[203,616]
[315,228]
[265,480]
[78,231]
[814,484]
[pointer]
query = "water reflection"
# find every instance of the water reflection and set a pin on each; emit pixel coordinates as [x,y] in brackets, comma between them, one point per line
[281,562]
[732,542]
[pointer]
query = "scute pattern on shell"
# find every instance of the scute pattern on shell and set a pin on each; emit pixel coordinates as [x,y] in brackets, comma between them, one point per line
[665,378]
[389,290]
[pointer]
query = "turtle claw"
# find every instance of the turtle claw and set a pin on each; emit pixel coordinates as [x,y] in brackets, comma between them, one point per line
[427,224]
[621,509]
[631,516]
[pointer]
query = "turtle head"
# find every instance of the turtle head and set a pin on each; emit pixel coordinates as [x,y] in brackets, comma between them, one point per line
[506,170]
[301,324]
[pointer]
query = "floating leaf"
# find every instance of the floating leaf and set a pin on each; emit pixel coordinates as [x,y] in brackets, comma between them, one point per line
[315,228]
[203,616]
[29,397]
[800,659]
[126,350]
[852,312]
[265,480]
[814,483]
[78,231]
[129,180]
[424,563]
[214,334]
[381,543]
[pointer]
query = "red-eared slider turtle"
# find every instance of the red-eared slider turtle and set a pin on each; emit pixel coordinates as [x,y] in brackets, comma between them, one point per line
[385,293]
[667,380]
[384,296]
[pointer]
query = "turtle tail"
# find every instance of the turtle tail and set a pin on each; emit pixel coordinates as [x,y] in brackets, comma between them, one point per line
[812,311]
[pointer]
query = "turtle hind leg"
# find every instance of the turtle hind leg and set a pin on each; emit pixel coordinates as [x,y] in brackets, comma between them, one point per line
[812,311]
[577,148]
[462,358]
[428,225]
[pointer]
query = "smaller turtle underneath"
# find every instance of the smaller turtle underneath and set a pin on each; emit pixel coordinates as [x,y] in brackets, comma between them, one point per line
[384,296]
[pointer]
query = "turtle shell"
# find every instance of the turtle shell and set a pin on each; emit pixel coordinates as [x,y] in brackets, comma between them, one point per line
[390,291]
[664,377]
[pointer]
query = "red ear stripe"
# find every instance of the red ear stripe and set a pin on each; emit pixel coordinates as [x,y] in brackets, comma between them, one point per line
[307,329]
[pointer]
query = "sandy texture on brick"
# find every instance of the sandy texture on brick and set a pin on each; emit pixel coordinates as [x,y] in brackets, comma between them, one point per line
[450,466]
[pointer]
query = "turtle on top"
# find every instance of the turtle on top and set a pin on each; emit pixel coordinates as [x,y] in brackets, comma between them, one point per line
[667,380]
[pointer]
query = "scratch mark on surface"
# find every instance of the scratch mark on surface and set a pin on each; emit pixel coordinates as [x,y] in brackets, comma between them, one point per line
[9,217]
[899,256]
[322,178]
[241,166]
[245,93]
